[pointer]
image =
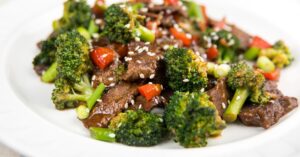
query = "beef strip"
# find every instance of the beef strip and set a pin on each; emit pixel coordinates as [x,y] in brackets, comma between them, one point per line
[141,102]
[268,114]
[219,95]
[113,102]
[262,115]
[142,61]
[109,76]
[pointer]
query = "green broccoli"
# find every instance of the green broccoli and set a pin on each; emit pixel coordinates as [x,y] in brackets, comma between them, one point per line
[245,81]
[226,42]
[191,118]
[185,71]
[72,86]
[279,54]
[77,13]
[122,25]
[135,128]
[47,55]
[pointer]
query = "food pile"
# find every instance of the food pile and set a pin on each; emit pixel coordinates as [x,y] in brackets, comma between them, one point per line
[118,64]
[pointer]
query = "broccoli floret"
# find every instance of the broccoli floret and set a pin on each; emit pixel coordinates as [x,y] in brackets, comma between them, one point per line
[77,13]
[279,54]
[244,81]
[135,128]
[73,64]
[191,118]
[122,25]
[185,71]
[226,42]
[47,55]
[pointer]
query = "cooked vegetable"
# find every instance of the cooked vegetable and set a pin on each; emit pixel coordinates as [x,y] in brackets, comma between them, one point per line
[47,55]
[245,81]
[191,118]
[73,64]
[185,71]
[135,128]
[77,13]
[279,54]
[258,42]
[265,64]
[184,37]
[150,90]
[252,53]
[212,53]
[102,57]
[225,42]
[50,74]
[123,25]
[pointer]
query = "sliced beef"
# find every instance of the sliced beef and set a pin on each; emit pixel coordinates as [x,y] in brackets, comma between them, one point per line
[113,102]
[288,103]
[109,76]
[142,61]
[262,115]
[219,95]
[271,88]
[268,114]
[243,36]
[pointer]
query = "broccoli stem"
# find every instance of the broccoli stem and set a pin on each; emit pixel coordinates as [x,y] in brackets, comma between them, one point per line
[96,95]
[103,134]
[50,74]
[251,53]
[144,33]
[82,112]
[237,102]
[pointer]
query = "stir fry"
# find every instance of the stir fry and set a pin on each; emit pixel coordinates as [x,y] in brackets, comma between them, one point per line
[118,64]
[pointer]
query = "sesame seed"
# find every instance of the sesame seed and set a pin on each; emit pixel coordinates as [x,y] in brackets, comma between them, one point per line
[105,55]
[147,43]
[213,33]
[138,61]
[202,90]
[223,105]
[188,35]
[132,101]
[146,48]
[142,76]
[126,105]
[176,45]
[162,87]
[127,25]
[140,106]
[137,39]
[144,10]
[93,77]
[112,84]
[140,50]
[98,21]
[127,59]
[169,11]
[238,98]
[131,53]
[99,100]
[110,78]
[215,37]
[150,83]
[164,32]
[152,76]
[185,80]
[155,100]
[150,54]
[165,47]
[136,48]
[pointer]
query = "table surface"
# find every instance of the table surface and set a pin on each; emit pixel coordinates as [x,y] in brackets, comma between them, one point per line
[287,145]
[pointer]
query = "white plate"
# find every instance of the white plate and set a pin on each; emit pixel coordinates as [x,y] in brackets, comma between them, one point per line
[29,122]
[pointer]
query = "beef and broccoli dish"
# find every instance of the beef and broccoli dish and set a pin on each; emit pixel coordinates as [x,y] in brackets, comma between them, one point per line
[115,63]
